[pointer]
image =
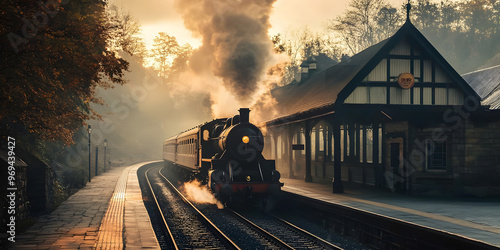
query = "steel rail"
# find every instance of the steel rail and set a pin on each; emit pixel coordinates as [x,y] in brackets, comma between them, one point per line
[320,241]
[378,228]
[200,215]
[160,211]
[270,236]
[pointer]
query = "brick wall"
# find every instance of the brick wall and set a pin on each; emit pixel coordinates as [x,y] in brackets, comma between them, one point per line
[481,172]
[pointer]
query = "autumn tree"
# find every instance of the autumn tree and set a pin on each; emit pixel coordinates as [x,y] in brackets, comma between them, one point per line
[124,33]
[278,44]
[165,49]
[180,61]
[54,56]
[465,32]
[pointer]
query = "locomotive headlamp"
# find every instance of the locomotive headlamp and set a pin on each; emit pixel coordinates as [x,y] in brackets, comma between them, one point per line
[245,139]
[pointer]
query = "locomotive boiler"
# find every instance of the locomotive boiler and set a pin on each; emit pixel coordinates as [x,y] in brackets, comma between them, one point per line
[226,155]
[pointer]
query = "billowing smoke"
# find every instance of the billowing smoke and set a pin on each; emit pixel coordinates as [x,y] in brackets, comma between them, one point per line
[236,47]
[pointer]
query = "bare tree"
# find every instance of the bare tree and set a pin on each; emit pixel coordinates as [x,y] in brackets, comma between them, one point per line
[300,44]
[124,33]
[364,23]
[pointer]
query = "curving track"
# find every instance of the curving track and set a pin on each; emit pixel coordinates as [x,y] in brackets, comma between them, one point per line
[248,235]
[204,226]
[187,227]
[183,225]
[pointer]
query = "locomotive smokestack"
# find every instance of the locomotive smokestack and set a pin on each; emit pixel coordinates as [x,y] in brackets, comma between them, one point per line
[244,115]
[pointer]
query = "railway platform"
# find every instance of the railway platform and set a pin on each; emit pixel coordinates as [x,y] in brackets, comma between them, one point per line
[108,213]
[478,219]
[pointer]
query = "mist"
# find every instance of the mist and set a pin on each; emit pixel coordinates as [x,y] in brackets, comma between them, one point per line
[141,114]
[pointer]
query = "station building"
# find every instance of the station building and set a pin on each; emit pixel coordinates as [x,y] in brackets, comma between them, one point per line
[396,115]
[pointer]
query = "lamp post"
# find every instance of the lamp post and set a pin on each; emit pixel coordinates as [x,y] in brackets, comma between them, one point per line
[105,145]
[96,162]
[89,130]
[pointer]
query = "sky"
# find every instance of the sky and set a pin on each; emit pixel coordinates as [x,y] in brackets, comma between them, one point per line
[161,16]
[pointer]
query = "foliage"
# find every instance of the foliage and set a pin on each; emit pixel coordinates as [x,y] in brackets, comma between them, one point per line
[165,49]
[465,32]
[180,61]
[299,45]
[364,23]
[54,55]
[278,45]
[124,33]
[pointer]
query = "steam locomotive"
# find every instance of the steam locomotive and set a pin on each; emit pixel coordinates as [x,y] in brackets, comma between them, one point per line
[226,155]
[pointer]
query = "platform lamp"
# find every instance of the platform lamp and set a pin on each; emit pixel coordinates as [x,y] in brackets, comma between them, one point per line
[105,145]
[89,130]
[96,156]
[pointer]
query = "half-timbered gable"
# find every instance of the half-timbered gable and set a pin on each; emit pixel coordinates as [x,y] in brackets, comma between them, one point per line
[435,82]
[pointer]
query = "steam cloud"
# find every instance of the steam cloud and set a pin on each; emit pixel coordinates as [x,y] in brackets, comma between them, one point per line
[236,46]
[199,193]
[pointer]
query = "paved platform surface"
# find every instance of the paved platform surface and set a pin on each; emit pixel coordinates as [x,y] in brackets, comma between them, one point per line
[106,214]
[474,218]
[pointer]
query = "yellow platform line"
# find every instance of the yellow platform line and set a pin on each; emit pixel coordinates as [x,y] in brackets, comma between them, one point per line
[110,234]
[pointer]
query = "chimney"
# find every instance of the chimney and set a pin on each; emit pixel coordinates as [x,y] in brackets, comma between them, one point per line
[244,115]
[345,58]
[304,71]
[311,63]
[307,68]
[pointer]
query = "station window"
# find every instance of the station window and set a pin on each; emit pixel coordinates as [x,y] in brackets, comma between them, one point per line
[342,146]
[321,139]
[380,134]
[313,144]
[361,143]
[436,156]
[369,144]
[302,139]
[355,139]
[361,138]
[347,141]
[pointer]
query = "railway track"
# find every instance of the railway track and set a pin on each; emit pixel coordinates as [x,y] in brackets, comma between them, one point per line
[188,228]
[198,226]
[377,231]
[291,235]
[236,231]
